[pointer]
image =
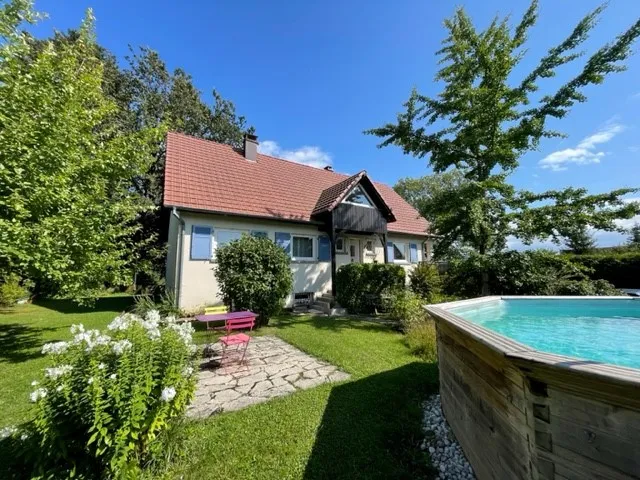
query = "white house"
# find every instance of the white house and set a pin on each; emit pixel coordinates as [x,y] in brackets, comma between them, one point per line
[322,218]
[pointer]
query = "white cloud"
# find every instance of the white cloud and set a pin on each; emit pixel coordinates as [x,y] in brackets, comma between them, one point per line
[307,155]
[585,152]
[635,96]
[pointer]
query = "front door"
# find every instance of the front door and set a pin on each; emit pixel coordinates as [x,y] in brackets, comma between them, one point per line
[353,250]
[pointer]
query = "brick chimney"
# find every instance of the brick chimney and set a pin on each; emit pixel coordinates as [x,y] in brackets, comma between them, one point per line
[250,147]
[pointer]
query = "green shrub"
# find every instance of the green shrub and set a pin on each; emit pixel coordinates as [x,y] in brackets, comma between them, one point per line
[163,301]
[106,398]
[360,287]
[534,272]
[617,267]
[407,308]
[254,274]
[12,290]
[425,280]
[421,340]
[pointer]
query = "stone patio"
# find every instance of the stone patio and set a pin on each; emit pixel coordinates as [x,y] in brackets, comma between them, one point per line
[272,368]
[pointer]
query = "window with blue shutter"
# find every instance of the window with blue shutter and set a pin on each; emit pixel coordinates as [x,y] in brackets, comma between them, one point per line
[284,240]
[413,253]
[324,249]
[390,252]
[200,242]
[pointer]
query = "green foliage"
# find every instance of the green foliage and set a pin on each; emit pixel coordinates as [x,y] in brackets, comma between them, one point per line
[406,308]
[535,272]
[425,280]
[254,274]
[634,237]
[12,290]
[67,213]
[360,287]
[580,241]
[421,340]
[148,95]
[489,122]
[163,301]
[107,397]
[619,268]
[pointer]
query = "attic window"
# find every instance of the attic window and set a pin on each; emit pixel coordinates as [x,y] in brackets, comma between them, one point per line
[357,196]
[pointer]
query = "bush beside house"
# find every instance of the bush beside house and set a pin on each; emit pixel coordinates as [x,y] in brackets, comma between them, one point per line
[360,287]
[254,274]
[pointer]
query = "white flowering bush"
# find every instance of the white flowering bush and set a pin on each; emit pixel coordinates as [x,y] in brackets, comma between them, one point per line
[108,395]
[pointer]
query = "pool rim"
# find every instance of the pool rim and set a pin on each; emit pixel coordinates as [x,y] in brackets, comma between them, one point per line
[522,354]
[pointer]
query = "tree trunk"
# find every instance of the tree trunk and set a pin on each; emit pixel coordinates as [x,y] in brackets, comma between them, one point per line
[485,274]
[485,284]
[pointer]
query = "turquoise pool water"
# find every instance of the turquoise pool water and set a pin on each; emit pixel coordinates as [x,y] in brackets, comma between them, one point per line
[602,330]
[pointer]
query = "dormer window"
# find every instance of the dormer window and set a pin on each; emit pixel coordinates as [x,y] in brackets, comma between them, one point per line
[357,196]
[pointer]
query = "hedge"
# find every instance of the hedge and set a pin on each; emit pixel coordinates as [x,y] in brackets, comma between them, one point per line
[620,269]
[360,286]
[533,272]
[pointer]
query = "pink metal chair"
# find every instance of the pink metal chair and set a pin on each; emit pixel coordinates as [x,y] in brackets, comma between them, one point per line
[239,340]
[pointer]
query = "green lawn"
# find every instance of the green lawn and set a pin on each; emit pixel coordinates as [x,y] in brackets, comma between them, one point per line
[367,427]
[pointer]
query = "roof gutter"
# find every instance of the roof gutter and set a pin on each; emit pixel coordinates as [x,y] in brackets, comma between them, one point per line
[177,281]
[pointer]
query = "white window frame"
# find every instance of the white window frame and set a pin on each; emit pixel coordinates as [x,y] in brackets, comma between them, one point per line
[364,192]
[314,249]
[217,231]
[343,249]
[405,249]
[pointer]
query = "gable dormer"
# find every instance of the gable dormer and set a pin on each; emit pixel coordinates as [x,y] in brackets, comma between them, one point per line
[354,205]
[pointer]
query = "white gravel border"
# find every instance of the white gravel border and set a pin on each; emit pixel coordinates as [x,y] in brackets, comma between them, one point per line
[445,452]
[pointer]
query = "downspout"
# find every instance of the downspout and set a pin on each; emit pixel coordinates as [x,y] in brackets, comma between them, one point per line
[178,271]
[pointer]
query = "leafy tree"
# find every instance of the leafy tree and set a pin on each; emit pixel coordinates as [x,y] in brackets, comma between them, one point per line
[67,212]
[580,241]
[149,95]
[489,122]
[428,192]
[634,238]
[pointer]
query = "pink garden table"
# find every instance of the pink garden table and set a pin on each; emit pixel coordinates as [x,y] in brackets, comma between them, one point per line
[224,317]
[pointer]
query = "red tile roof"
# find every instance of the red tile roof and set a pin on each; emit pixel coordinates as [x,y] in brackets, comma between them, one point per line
[210,176]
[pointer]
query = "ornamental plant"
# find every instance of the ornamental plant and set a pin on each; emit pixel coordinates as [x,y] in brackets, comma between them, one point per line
[425,280]
[254,274]
[107,396]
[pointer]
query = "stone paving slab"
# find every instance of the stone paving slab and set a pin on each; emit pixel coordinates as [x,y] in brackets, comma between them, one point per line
[272,368]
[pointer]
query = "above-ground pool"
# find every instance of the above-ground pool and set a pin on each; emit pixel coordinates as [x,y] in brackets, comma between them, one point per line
[543,387]
[606,331]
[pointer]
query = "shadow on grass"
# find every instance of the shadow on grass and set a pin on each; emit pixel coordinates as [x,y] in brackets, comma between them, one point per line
[19,343]
[329,323]
[371,428]
[105,304]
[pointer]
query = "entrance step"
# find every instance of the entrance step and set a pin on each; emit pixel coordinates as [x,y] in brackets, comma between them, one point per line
[327,304]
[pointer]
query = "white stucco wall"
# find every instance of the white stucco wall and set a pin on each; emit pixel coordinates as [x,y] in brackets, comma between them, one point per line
[198,285]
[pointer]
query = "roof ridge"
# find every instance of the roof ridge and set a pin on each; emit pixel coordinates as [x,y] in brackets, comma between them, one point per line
[210,176]
[261,154]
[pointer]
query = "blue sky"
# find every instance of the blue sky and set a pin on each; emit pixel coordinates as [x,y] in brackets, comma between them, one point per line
[311,76]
